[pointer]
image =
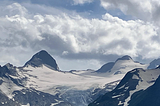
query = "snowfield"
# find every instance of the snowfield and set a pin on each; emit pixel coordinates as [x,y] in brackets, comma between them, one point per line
[44,78]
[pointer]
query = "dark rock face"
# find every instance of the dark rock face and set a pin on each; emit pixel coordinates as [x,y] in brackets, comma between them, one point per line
[121,92]
[37,98]
[5,101]
[9,70]
[41,58]
[148,97]
[106,68]
[154,64]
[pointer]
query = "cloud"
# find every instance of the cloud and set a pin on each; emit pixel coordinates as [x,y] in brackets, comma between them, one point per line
[147,10]
[72,36]
[82,1]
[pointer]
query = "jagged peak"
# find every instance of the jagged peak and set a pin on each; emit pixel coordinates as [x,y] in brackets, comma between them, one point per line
[8,65]
[42,58]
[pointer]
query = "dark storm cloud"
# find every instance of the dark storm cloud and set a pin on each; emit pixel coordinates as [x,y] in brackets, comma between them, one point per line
[53,43]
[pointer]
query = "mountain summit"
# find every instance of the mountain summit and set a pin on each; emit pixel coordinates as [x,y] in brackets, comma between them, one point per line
[121,63]
[126,57]
[42,58]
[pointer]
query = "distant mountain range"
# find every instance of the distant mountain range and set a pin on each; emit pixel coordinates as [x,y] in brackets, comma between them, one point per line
[40,83]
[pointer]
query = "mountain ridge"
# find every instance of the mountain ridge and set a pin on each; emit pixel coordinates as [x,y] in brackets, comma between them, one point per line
[37,82]
[134,81]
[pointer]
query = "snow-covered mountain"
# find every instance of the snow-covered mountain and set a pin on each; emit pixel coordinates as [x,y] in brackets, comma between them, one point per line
[132,89]
[40,82]
[121,66]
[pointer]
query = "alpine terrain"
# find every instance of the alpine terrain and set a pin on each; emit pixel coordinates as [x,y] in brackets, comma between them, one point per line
[139,87]
[40,82]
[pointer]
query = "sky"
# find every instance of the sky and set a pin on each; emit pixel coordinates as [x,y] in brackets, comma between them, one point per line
[79,34]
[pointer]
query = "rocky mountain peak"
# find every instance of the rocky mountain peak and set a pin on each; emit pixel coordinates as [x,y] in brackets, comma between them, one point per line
[8,65]
[42,58]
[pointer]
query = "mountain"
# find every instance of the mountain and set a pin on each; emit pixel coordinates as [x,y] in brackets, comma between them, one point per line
[148,97]
[126,92]
[38,84]
[41,86]
[17,91]
[120,66]
[42,58]
[154,64]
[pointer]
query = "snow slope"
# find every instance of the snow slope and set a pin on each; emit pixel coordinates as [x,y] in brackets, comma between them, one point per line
[76,84]
[44,78]
[134,81]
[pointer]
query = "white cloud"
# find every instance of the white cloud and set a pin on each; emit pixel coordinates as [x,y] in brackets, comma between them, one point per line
[15,9]
[82,1]
[142,9]
[75,37]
